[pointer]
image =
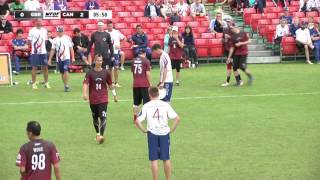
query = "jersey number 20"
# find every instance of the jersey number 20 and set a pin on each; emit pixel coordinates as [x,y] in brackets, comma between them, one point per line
[38,161]
[137,68]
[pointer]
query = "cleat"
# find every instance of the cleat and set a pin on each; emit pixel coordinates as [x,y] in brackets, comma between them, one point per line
[66,89]
[225,84]
[47,85]
[309,62]
[98,138]
[34,86]
[101,141]
[122,68]
[117,85]
[177,83]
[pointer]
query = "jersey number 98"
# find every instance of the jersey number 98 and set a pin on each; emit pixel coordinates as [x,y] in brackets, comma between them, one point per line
[38,161]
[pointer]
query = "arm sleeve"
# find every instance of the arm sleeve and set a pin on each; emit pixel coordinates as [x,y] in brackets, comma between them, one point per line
[90,43]
[171,113]
[146,14]
[55,158]
[142,115]
[21,158]
[74,43]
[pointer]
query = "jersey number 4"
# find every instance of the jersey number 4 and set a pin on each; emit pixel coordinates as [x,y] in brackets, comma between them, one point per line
[156,114]
[38,161]
[137,68]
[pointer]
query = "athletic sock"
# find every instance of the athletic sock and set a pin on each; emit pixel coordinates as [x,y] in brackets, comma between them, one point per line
[238,78]
[228,79]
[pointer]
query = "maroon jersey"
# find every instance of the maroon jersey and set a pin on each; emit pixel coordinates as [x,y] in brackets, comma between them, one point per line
[240,37]
[37,156]
[227,41]
[97,81]
[176,52]
[139,68]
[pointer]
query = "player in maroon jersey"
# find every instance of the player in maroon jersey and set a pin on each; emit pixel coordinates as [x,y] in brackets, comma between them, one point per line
[96,81]
[36,156]
[141,81]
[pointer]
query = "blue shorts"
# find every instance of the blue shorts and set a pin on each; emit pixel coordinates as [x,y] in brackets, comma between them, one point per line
[159,147]
[63,65]
[117,57]
[82,54]
[39,60]
[168,87]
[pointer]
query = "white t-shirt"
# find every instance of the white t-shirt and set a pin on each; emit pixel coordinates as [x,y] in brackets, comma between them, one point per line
[165,62]
[197,8]
[62,46]
[182,9]
[281,31]
[153,11]
[303,35]
[38,39]
[157,113]
[116,37]
[32,5]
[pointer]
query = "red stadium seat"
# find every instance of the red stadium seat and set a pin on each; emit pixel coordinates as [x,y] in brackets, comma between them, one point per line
[26,23]
[116,9]
[8,36]
[69,21]
[139,3]
[157,19]
[202,52]
[219,35]
[294,8]
[270,33]
[137,14]
[179,24]
[205,23]
[295,4]
[261,28]
[130,19]
[247,15]
[110,3]
[288,46]
[4,42]
[125,3]
[215,47]
[271,15]
[121,25]
[202,29]
[275,21]
[269,4]
[193,24]
[151,37]
[124,14]
[201,42]
[186,18]
[126,32]
[312,14]
[298,14]
[143,19]
[14,23]
[125,45]
[133,25]
[151,25]
[91,27]
[157,31]
[254,21]
[5,49]
[207,35]
[151,43]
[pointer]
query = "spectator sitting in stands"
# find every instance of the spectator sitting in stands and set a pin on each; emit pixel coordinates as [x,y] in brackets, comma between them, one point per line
[16,5]
[281,30]
[166,9]
[259,5]
[307,5]
[315,37]
[6,26]
[152,9]
[174,17]
[48,5]
[189,46]
[217,24]
[20,50]
[198,9]
[286,15]
[303,40]
[91,4]
[167,36]
[140,40]
[60,5]
[310,22]
[4,8]
[294,26]
[32,5]
[182,8]
[80,44]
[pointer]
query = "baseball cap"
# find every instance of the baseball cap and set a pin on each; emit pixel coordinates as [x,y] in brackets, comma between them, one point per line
[175,28]
[60,29]
[100,23]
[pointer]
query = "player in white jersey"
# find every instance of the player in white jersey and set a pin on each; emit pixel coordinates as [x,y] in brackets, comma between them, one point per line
[119,56]
[37,39]
[166,78]
[62,46]
[157,114]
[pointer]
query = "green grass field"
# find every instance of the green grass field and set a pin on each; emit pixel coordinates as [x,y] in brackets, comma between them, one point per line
[268,131]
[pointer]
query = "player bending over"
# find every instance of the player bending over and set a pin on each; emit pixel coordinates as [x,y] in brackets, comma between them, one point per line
[141,81]
[157,114]
[62,46]
[36,156]
[96,81]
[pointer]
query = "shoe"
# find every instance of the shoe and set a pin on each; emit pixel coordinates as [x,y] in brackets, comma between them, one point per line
[117,85]
[66,89]
[47,85]
[29,82]
[34,86]
[240,83]
[177,83]
[225,84]
[318,62]
[309,62]
[122,68]
[98,138]
[250,81]
[101,141]
[15,72]
[193,66]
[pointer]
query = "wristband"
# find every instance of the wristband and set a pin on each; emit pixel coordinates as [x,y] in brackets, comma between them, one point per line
[114,92]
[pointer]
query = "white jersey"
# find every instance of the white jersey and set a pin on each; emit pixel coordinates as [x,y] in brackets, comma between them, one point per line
[157,113]
[38,39]
[182,9]
[32,5]
[165,63]
[62,46]
[116,37]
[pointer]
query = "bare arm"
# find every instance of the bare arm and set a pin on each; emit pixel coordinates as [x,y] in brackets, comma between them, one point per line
[57,171]
[149,77]
[85,91]
[175,124]
[51,55]
[140,126]
[72,54]
[181,45]
[164,76]
[22,171]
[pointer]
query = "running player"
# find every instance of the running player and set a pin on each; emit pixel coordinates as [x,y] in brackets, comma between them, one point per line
[62,46]
[37,38]
[166,79]
[176,52]
[36,157]
[96,81]
[239,49]
[119,56]
[157,114]
[103,46]
[141,81]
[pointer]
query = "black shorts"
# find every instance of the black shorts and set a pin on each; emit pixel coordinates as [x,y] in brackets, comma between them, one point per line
[140,94]
[99,109]
[176,64]
[239,62]
[107,63]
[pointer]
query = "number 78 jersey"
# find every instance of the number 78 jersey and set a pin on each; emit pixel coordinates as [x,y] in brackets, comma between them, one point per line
[139,68]
[157,113]
[37,156]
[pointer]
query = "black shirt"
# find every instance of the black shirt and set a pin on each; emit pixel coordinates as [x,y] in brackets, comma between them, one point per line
[7,27]
[218,27]
[103,44]
[82,41]
[4,8]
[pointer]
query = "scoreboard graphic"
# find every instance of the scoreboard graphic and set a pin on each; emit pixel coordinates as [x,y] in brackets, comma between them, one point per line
[92,14]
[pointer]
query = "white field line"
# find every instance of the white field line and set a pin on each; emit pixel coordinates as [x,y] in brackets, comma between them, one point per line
[177,98]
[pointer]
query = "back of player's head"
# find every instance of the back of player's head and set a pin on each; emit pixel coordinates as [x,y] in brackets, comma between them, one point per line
[76,30]
[34,127]
[153,92]
[156,47]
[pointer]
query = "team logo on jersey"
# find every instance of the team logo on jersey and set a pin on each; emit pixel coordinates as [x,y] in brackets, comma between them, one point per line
[61,50]
[104,39]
